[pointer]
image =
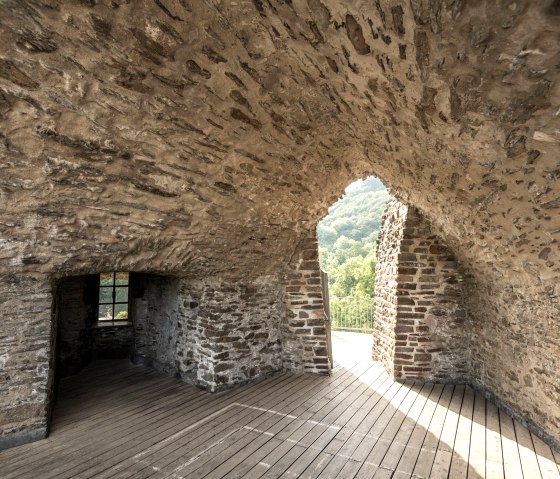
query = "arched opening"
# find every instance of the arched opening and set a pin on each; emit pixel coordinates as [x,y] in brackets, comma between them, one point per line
[347,238]
[393,290]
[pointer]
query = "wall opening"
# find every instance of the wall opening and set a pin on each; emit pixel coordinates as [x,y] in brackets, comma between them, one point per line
[87,328]
[395,289]
[347,239]
[115,316]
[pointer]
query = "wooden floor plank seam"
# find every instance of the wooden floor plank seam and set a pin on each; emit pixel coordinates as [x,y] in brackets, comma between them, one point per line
[412,450]
[311,405]
[236,472]
[319,438]
[116,420]
[107,453]
[308,378]
[296,442]
[118,433]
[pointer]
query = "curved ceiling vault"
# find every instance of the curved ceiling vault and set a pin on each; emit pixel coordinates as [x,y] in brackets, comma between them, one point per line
[177,131]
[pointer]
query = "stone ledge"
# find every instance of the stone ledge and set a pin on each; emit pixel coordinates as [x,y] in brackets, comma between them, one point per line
[108,324]
[22,437]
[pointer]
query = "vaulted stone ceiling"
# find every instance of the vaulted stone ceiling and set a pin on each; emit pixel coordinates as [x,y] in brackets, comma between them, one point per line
[205,137]
[184,131]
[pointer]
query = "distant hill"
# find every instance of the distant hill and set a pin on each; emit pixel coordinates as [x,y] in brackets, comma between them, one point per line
[347,237]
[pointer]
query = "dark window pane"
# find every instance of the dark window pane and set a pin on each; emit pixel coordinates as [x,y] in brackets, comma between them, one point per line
[121,312]
[121,279]
[121,294]
[106,279]
[105,295]
[105,312]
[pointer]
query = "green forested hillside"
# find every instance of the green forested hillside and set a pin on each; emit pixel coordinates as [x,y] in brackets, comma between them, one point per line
[347,237]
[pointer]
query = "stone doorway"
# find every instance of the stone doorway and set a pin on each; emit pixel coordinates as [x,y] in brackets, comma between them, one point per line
[347,239]
[415,290]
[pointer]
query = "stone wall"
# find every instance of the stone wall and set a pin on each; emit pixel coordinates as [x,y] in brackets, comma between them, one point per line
[210,333]
[519,332]
[229,332]
[305,342]
[419,322]
[430,314]
[113,341]
[204,142]
[386,286]
[154,306]
[26,361]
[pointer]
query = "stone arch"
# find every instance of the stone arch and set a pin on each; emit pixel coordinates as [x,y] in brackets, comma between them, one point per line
[132,142]
[420,326]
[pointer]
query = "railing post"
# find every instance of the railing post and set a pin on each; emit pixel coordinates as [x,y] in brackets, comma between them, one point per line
[327,309]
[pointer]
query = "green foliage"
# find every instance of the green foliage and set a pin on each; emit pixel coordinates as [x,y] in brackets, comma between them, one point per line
[347,238]
[352,314]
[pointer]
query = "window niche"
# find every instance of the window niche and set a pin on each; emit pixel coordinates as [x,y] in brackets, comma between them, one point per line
[93,320]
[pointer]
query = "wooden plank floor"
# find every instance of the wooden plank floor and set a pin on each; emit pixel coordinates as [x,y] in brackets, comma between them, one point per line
[115,420]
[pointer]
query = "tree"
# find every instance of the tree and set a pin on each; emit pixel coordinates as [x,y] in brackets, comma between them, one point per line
[347,238]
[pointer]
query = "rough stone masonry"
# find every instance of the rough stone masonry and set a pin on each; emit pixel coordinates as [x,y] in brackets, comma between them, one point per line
[419,328]
[204,140]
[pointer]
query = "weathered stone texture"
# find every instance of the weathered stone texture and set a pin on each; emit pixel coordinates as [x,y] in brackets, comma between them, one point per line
[113,341]
[154,311]
[305,340]
[514,326]
[419,324]
[210,334]
[204,139]
[386,285]
[26,365]
[229,333]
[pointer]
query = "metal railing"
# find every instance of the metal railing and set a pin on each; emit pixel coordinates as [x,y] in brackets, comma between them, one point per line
[351,314]
[326,308]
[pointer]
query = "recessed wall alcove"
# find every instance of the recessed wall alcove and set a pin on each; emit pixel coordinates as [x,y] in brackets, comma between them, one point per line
[201,332]
[146,333]
[166,327]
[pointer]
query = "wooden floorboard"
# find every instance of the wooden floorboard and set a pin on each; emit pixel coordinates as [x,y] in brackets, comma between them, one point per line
[407,459]
[510,449]
[547,464]
[116,420]
[443,455]
[428,449]
[494,463]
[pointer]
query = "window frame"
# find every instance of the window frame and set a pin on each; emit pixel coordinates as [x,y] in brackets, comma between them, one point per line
[113,287]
